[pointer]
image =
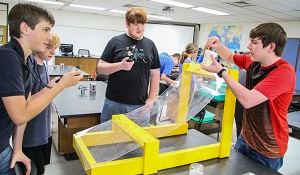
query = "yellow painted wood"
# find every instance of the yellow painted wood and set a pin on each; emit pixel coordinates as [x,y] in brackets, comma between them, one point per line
[228,117]
[185,84]
[166,160]
[188,156]
[109,137]
[150,158]
[136,132]
[119,167]
[197,70]
[114,126]
[83,153]
[149,143]
[152,161]
[167,130]
[105,137]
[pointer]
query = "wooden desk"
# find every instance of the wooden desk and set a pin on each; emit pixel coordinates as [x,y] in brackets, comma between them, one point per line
[55,70]
[294,124]
[72,113]
[88,64]
[216,107]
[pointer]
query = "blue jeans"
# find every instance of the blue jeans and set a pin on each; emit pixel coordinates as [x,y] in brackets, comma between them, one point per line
[5,160]
[111,108]
[242,147]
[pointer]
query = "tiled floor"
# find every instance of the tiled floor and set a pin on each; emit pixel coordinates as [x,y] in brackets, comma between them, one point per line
[290,165]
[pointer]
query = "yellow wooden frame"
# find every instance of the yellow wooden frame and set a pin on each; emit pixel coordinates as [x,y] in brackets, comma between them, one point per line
[146,137]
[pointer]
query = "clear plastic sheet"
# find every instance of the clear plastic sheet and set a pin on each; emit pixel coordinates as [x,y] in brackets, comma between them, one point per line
[163,112]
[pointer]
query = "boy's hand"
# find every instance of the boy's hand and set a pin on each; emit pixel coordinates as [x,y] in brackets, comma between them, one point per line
[71,78]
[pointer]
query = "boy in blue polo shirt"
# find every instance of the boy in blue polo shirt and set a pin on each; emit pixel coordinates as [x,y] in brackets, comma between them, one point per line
[29,27]
[168,62]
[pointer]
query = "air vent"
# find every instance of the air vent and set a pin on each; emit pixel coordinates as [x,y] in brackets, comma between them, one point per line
[130,5]
[168,9]
[240,4]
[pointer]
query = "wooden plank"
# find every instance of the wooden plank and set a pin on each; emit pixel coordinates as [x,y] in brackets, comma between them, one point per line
[79,122]
[88,64]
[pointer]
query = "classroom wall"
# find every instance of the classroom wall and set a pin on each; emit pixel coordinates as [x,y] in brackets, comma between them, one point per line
[70,22]
[83,26]
[291,28]
[87,31]
[91,31]
[2,17]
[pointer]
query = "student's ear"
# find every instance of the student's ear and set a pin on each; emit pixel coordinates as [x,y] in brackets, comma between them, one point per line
[127,24]
[272,46]
[24,29]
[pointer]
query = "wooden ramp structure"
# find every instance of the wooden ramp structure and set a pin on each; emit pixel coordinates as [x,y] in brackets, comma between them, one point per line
[154,157]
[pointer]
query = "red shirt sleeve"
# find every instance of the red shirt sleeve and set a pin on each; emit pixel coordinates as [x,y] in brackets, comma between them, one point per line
[242,60]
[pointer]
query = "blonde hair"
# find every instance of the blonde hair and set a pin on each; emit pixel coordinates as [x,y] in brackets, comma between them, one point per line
[136,15]
[190,48]
[55,40]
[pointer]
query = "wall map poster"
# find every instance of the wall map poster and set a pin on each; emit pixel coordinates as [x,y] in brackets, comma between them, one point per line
[230,36]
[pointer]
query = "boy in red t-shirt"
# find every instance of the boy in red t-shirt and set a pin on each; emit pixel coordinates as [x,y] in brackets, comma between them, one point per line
[270,85]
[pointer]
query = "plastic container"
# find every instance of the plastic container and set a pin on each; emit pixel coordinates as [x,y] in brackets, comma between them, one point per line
[196,169]
[207,61]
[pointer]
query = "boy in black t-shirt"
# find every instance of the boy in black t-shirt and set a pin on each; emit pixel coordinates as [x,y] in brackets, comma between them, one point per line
[131,61]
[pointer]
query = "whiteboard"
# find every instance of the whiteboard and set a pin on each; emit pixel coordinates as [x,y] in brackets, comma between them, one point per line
[167,38]
[170,38]
[92,39]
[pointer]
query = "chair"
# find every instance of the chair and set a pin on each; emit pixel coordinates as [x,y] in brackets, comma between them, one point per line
[199,120]
[84,52]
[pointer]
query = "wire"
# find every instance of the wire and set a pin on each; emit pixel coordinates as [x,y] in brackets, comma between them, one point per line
[36,74]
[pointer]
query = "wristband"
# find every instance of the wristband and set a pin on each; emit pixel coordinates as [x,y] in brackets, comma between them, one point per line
[221,72]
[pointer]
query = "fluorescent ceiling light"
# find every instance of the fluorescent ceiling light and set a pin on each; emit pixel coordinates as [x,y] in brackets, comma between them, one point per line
[170,2]
[117,11]
[86,7]
[158,17]
[47,2]
[150,16]
[206,10]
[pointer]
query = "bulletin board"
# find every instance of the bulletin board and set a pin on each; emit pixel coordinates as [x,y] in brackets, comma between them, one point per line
[3,34]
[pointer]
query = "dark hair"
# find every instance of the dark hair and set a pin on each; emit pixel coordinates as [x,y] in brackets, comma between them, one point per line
[268,33]
[30,13]
[136,15]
